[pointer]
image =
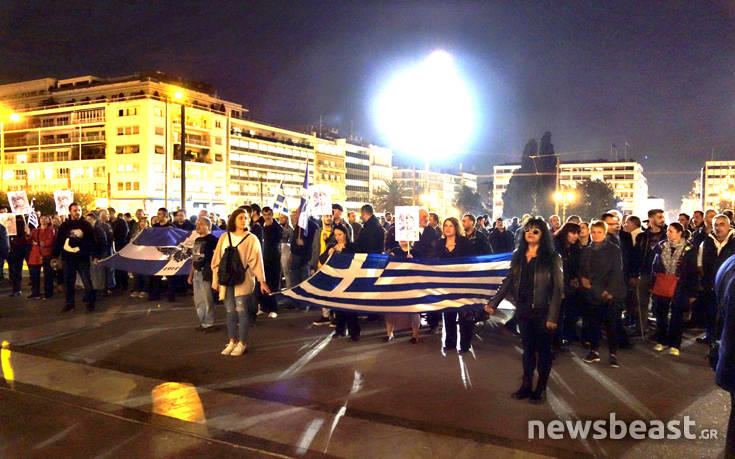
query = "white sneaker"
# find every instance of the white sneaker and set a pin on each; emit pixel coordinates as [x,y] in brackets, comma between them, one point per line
[272,315]
[228,349]
[134,295]
[142,294]
[239,350]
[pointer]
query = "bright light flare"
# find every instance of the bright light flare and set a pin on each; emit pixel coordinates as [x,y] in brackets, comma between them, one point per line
[14,117]
[427,109]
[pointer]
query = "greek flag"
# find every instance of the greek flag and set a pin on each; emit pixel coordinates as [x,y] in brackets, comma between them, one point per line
[381,283]
[279,201]
[33,217]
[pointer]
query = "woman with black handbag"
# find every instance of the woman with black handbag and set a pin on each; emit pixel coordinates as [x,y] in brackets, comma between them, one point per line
[674,271]
[536,284]
[236,287]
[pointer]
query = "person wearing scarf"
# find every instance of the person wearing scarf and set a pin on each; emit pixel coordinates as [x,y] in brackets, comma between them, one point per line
[674,255]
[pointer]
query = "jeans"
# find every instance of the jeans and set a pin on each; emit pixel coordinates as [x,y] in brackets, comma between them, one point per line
[71,268]
[603,314]
[466,328]
[571,312]
[536,339]
[203,299]
[18,254]
[48,278]
[668,334]
[238,319]
[285,255]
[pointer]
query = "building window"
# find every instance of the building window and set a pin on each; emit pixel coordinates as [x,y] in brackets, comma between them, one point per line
[158,111]
[218,140]
[127,149]
[159,130]
[48,156]
[130,111]
[128,130]
[158,149]
[62,172]
[20,174]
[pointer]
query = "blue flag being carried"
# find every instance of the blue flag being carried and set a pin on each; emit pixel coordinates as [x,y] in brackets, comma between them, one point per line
[279,201]
[380,283]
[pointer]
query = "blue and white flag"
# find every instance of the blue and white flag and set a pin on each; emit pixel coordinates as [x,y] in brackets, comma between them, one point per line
[279,201]
[33,217]
[304,205]
[381,283]
[155,252]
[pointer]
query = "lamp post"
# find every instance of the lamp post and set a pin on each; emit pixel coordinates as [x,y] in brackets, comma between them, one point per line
[179,96]
[14,117]
[564,198]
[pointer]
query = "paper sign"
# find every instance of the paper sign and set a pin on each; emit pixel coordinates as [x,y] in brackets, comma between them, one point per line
[320,199]
[19,202]
[8,221]
[63,198]
[407,223]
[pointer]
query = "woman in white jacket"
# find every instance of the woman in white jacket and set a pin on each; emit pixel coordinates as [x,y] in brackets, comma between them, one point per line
[239,298]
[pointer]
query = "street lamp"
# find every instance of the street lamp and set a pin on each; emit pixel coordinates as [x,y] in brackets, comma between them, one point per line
[13,117]
[564,198]
[179,96]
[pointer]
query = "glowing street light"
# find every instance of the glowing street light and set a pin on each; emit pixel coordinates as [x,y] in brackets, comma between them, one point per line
[565,198]
[729,194]
[427,109]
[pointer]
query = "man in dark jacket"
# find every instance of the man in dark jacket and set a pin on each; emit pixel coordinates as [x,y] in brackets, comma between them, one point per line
[646,243]
[427,235]
[272,231]
[716,248]
[501,238]
[200,276]
[601,277]
[725,367]
[372,236]
[181,222]
[478,240]
[120,234]
[74,244]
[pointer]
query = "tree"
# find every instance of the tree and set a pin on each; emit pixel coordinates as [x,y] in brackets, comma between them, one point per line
[531,188]
[593,198]
[469,201]
[393,194]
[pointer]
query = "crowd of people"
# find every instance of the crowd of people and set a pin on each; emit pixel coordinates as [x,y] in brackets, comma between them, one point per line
[569,281]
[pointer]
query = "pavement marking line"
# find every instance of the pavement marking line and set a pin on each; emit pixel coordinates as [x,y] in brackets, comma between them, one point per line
[464,374]
[614,388]
[565,412]
[56,437]
[306,358]
[356,386]
[118,446]
[308,436]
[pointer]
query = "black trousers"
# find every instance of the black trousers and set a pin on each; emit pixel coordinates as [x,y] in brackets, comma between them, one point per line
[572,310]
[273,279]
[466,327]
[536,339]
[669,333]
[433,318]
[18,254]
[603,315]
[121,279]
[71,268]
[48,278]
[348,321]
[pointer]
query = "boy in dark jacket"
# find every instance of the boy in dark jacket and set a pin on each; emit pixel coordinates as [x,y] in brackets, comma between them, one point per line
[601,277]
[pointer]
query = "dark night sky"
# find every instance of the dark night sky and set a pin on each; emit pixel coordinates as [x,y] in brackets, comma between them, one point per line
[660,75]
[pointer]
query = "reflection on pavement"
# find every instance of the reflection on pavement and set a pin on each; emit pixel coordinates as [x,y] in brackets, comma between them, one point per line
[7,366]
[178,400]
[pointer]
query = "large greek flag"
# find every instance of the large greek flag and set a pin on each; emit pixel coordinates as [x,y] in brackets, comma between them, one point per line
[381,283]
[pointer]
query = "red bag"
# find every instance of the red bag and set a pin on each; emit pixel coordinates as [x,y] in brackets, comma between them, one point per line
[664,285]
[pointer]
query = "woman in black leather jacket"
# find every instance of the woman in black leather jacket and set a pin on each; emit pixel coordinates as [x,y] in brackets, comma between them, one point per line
[535,282]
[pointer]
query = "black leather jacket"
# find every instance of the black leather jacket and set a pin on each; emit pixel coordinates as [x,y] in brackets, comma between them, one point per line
[548,287]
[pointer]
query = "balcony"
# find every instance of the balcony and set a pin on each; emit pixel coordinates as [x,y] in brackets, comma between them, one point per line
[284,141]
[52,140]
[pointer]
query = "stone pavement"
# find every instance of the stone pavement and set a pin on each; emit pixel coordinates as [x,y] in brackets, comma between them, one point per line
[142,366]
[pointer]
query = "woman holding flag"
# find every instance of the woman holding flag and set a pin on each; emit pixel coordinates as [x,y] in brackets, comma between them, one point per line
[536,284]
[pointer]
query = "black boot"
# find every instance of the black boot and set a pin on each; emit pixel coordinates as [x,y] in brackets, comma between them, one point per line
[522,393]
[538,396]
